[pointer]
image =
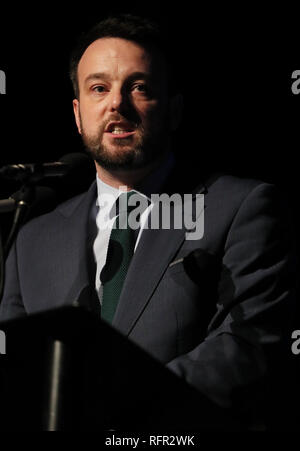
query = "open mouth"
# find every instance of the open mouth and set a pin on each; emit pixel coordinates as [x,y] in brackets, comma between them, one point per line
[119,130]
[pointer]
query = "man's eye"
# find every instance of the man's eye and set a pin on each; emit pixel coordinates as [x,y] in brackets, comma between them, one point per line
[99,89]
[140,88]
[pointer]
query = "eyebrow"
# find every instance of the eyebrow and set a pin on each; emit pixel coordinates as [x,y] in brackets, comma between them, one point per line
[97,76]
[106,77]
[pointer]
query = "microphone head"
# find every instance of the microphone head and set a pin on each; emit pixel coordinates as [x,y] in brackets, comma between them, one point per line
[76,159]
[78,164]
[73,178]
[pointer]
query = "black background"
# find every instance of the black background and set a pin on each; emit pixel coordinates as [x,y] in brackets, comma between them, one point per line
[234,63]
[235,70]
[234,67]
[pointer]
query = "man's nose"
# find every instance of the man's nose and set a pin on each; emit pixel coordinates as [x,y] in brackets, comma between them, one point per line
[118,100]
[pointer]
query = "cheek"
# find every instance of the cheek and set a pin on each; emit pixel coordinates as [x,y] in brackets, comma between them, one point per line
[157,120]
[153,114]
[91,116]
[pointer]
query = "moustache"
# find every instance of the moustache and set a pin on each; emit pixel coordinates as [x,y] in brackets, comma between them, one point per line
[118,118]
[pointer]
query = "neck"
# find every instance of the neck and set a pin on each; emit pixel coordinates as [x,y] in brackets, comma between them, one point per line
[128,179]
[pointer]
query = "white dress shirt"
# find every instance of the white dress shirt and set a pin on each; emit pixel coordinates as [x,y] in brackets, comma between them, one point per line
[107,196]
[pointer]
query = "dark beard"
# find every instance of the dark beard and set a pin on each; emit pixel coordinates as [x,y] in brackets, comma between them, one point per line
[146,149]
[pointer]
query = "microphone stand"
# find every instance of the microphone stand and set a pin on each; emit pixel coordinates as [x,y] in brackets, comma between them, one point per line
[23,200]
[19,202]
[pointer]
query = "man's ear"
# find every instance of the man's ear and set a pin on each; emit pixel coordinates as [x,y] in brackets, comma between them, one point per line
[176,110]
[77,114]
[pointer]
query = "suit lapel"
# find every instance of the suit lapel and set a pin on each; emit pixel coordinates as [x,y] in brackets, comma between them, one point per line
[75,241]
[154,252]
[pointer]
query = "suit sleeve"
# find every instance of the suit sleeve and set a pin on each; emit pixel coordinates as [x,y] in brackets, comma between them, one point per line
[11,304]
[246,340]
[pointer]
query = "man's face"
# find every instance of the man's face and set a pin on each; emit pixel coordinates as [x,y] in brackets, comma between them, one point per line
[123,108]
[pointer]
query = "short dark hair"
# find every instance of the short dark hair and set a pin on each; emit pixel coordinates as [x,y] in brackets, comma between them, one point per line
[147,33]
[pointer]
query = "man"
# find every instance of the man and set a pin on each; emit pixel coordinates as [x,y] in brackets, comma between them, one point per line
[215,309]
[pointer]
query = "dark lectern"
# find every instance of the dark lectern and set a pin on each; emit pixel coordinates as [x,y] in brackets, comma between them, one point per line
[67,370]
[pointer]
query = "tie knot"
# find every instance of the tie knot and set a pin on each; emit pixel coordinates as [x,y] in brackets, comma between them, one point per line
[132,201]
[127,202]
[123,202]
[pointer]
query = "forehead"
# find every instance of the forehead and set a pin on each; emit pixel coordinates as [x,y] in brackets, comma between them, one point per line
[119,57]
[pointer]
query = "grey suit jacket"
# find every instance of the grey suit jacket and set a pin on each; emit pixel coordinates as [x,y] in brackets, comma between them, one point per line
[216,311]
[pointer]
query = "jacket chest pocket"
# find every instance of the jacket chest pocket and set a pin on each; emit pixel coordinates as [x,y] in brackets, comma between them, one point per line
[200,267]
[190,285]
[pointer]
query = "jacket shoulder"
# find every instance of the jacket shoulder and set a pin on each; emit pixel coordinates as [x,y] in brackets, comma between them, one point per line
[233,184]
[233,190]
[51,220]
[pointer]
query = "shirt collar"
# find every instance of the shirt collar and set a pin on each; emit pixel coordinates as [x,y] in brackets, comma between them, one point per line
[152,184]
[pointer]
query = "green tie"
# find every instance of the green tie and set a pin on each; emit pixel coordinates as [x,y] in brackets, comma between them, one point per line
[119,253]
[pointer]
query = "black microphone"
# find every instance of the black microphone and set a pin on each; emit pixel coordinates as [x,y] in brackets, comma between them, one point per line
[37,171]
